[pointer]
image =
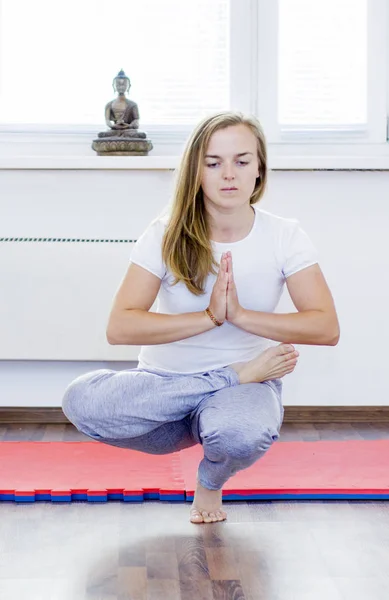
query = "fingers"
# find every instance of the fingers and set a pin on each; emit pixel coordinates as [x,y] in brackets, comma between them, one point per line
[230,272]
[228,256]
[225,276]
[222,276]
[222,267]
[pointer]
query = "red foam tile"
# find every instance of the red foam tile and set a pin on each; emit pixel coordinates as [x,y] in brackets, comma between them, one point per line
[307,467]
[60,469]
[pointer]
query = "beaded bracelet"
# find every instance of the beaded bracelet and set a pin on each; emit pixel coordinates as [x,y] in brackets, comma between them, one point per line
[213,318]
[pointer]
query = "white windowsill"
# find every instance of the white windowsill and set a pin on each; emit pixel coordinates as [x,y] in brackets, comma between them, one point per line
[73,152]
[89,162]
[170,162]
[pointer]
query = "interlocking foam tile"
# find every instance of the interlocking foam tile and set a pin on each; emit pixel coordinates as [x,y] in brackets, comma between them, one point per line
[352,469]
[65,471]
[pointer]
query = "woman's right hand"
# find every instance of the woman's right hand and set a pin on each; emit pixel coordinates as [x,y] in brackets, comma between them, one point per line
[218,301]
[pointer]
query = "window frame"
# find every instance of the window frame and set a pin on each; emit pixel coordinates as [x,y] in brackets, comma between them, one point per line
[377,61]
[242,51]
[253,58]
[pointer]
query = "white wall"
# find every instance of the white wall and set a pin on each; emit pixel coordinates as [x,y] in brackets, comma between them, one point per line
[345,214]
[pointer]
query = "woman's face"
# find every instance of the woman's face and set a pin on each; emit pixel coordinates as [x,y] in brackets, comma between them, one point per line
[230,167]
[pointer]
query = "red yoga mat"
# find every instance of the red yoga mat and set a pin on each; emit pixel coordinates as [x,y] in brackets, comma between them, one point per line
[96,472]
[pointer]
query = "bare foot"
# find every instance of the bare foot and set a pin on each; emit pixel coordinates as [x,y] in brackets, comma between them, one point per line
[273,363]
[206,507]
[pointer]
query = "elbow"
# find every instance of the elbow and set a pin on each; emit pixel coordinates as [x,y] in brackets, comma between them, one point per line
[114,333]
[115,338]
[123,328]
[333,339]
[329,330]
[111,339]
[111,335]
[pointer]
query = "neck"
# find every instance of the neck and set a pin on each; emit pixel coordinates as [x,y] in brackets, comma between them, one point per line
[230,226]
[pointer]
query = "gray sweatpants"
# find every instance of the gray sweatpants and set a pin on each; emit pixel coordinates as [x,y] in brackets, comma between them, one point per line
[159,412]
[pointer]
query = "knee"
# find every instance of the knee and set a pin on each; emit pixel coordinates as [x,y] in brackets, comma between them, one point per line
[244,445]
[75,400]
[251,444]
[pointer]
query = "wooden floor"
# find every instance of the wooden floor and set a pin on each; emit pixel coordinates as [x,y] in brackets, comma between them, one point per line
[301,431]
[265,551]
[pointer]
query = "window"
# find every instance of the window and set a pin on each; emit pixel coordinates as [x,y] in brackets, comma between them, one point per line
[322,64]
[323,67]
[58,61]
[312,70]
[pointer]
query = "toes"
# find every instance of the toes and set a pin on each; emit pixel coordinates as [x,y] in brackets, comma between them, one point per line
[290,361]
[195,516]
[291,356]
[221,515]
[285,348]
[203,516]
[288,370]
[206,517]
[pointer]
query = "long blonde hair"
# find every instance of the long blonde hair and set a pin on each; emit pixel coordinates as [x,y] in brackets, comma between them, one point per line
[186,247]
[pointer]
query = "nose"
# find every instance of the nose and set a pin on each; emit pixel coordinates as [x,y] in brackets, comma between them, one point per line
[228,172]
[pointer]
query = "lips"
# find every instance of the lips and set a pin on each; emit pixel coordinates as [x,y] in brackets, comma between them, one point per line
[229,189]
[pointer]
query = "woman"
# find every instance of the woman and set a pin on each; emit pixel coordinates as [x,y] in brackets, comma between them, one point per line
[209,371]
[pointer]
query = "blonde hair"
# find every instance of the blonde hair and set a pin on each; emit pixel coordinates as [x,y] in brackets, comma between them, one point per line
[186,247]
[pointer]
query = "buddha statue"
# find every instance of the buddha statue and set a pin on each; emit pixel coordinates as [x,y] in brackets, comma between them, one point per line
[123,137]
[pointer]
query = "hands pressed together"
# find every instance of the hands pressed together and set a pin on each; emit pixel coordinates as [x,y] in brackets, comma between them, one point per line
[224,302]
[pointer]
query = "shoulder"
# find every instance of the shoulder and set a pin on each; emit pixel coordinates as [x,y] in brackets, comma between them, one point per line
[157,227]
[292,246]
[147,250]
[273,221]
[279,227]
[151,239]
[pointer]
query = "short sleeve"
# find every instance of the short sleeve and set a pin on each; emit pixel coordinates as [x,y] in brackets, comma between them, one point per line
[298,252]
[147,251]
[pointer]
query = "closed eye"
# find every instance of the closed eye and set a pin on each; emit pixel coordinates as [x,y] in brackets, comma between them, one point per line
[240,163]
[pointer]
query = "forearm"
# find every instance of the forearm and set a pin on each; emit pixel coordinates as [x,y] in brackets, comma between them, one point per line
[306,327]
[139,327]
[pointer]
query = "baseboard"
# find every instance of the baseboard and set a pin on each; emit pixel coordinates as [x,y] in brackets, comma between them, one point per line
[293,414]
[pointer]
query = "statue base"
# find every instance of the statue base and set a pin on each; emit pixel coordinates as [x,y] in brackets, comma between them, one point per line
[123,133]
[122,146]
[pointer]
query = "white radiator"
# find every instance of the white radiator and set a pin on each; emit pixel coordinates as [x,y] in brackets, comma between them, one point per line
[55,298]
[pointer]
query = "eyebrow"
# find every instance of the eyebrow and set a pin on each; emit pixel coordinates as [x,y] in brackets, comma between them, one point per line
[236,155]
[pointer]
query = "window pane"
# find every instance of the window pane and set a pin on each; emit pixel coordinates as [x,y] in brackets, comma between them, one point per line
[322,63]
[58,61]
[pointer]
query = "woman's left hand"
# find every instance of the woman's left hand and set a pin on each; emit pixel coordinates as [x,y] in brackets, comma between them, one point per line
[234,309]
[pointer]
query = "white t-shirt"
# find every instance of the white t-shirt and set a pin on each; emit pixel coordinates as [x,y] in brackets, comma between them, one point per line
[274,249]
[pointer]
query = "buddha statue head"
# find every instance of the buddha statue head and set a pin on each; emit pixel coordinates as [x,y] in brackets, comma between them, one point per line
[121,83]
